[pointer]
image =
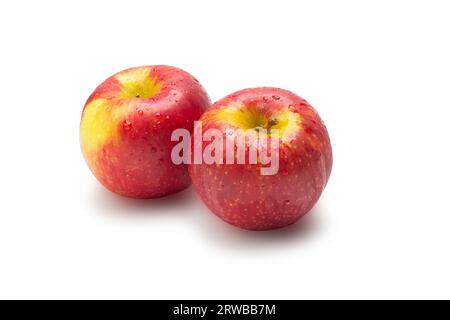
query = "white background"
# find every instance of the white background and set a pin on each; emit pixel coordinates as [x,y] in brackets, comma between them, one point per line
[378,72]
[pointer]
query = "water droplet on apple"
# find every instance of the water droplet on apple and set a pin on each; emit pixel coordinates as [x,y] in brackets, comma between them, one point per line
[126,125]
[275,97]
[140,112]
[265,99]
[287,202]
[158,114]
[160,160]
[153,149]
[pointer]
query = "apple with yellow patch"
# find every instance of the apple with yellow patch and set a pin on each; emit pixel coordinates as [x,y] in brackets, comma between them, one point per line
[126,127]
[239,193]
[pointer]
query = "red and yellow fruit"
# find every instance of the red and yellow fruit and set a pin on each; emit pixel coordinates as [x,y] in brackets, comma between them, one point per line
[238,193]
[126,127]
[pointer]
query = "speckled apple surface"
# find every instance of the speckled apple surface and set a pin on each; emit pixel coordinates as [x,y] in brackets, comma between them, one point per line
[238,193]
[126,127]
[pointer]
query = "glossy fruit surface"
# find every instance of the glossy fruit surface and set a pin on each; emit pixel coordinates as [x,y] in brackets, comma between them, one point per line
[239,193]
[126,127]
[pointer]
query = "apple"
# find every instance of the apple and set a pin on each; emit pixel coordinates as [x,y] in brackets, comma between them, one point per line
[239,193]
[126,127]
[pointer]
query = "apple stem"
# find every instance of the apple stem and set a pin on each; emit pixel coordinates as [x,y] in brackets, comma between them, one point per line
[273,122]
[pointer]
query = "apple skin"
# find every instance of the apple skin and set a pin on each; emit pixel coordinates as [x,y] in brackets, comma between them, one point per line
[243,197]
[126,127]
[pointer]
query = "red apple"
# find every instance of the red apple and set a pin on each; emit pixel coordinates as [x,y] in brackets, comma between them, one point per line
[239,193]
[126,128]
